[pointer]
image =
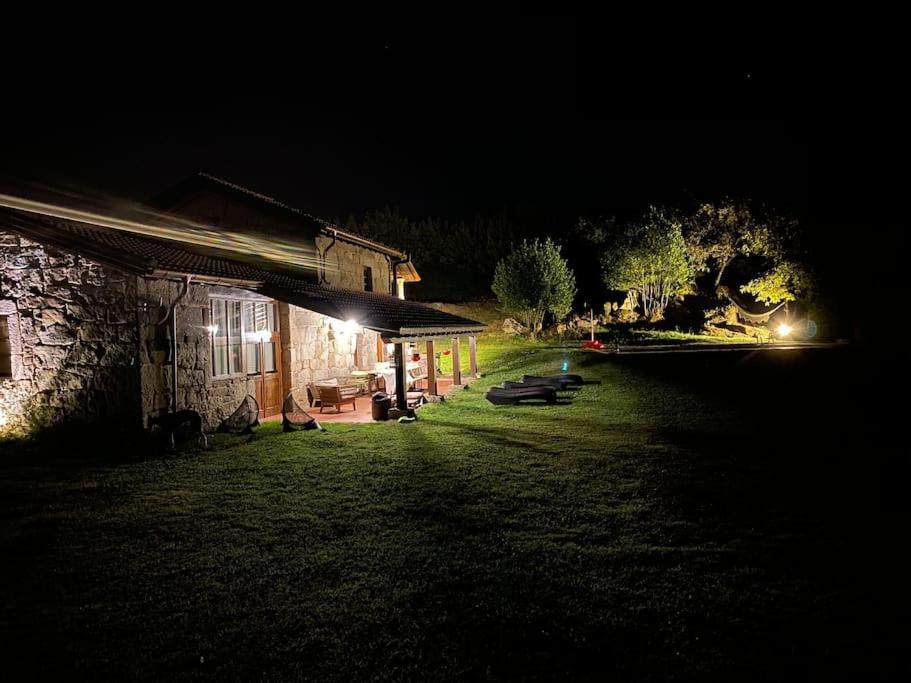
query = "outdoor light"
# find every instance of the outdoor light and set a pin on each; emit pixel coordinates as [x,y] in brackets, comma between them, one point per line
[784,330]
[351,327]
[212,328]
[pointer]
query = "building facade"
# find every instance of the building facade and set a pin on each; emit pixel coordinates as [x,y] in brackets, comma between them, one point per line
[100,322]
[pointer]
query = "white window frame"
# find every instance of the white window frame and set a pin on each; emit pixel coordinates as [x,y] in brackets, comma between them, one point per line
[240,372]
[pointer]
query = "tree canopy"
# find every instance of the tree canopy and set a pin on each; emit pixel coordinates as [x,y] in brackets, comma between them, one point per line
[534,280]
[650,260]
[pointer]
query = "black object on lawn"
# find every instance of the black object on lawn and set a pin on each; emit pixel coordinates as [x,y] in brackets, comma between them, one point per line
[296,418]
[243,419]
[500,397]
[559,381]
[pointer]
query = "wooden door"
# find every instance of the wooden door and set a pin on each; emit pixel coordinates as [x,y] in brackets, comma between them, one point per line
[263,355]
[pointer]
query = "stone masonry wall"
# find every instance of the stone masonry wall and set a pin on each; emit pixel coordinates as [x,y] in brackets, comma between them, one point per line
[316,347]
[73,336]
[214,399]
[345,265]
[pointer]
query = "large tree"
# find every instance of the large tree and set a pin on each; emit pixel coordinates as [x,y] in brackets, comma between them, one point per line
[717,234]
[534,280]
[649,259]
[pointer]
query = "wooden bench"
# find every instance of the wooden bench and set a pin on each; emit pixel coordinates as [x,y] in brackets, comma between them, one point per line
[327,395]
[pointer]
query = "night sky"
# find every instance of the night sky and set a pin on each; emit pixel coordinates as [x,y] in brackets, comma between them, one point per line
[545,117]
[452,120]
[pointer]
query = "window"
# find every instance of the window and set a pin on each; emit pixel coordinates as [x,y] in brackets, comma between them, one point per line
[226,323]
[241,339]
[259,347]
[6,351]
[368,279]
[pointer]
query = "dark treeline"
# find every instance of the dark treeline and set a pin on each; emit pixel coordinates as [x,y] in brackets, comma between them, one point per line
[456,258]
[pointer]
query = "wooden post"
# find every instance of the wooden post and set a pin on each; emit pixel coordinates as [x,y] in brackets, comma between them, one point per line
[401,377]
[456,363]
[473,356]
[431,369]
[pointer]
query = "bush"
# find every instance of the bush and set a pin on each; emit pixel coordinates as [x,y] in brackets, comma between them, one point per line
[534,280]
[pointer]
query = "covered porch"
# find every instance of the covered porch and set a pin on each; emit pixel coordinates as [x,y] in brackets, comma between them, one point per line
[362,411]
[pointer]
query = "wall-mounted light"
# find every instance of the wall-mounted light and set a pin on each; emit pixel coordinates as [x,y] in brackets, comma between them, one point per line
[351,327]
[212,328]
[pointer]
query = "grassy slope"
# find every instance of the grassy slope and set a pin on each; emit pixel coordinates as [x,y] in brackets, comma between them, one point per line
[644,530]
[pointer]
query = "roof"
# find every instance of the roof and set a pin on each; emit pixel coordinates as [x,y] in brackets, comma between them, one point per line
[205,180]
[157,257]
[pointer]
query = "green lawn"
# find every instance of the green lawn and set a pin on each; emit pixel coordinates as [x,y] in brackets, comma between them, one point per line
[686,518]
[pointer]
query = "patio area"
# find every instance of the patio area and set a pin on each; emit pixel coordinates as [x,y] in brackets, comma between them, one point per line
[363,410]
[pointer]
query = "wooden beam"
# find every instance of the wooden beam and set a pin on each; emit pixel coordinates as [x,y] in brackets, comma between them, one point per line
[473,356]
[401,378]
[456,363]
[431,369]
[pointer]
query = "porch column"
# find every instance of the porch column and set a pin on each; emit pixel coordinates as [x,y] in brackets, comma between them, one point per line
[431,369]
[401,377]
[456,363]
[473,356]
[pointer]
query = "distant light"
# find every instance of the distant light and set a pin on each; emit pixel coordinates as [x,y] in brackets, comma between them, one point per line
[212,328]
[565,365]
[784,330]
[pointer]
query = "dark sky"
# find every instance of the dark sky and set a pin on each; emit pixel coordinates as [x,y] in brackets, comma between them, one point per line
[549,117]
[447,118]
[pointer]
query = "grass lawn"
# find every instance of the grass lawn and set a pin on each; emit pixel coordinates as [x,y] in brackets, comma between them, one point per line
[673,337]
[698,516]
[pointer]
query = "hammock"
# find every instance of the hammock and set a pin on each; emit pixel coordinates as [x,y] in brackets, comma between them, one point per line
[742,312]
[242,420]
[296,418]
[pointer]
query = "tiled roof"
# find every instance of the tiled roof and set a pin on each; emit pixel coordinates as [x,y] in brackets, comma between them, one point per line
[146,255]
[380,312]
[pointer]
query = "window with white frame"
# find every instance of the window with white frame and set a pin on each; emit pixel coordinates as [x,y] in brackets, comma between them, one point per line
[259,347]
[242,339]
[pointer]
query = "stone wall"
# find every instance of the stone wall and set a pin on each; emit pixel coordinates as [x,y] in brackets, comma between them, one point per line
[345,265]
[85,344]
[214,399]
[316,347]
[74,339]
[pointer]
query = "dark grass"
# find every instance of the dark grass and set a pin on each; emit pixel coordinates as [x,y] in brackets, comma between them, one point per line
[712,516]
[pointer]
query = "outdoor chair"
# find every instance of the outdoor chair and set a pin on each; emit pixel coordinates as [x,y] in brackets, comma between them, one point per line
[531,385]
[243,419]
[499,396]
[296,418]
[338,395]
[415,375]
[561,382]
[569,379]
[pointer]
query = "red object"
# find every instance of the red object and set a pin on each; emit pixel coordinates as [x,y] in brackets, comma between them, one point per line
[415,357]
[594,344]
[446,353]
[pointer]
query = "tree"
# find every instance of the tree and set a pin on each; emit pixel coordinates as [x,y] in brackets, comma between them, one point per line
[717,233]
[769,244]
[649,259]
[784,282]
[584,245]
[534,280]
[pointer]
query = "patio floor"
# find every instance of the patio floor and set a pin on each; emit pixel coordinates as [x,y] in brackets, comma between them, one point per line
[363,411]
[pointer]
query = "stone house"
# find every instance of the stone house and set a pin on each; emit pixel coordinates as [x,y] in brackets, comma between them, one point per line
[211,289]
